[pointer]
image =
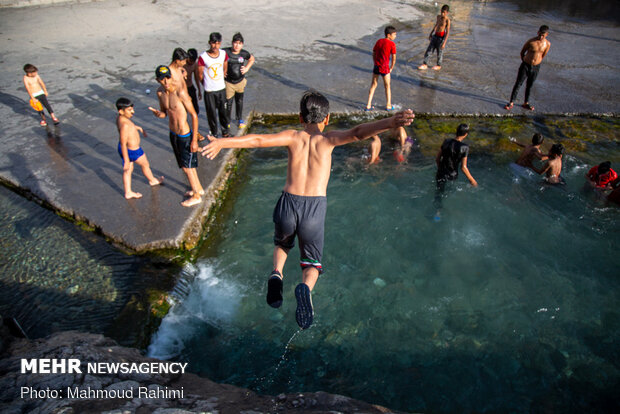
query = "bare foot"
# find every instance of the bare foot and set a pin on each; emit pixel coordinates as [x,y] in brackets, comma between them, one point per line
[190,193]
[423,66]
[191,202]
[436,67]
[157,181]
[131,195]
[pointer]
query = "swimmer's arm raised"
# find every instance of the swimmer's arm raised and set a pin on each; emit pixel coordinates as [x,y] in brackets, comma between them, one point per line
[369,129]
[281,139]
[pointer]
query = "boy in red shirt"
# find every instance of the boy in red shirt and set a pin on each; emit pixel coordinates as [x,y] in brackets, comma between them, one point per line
[602,175]
[381,53]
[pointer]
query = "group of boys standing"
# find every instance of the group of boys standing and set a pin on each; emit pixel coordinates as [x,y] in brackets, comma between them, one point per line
[221,74]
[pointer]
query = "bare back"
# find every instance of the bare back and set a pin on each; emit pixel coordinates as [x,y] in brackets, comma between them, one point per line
[172,104]
[535,50]
[128,133]
[309,164]
[553,170]
[527,156]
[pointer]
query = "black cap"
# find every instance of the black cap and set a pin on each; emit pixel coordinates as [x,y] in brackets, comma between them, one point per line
[162,71]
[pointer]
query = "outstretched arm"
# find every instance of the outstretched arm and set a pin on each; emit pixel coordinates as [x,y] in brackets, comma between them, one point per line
[369,129]
[281,139]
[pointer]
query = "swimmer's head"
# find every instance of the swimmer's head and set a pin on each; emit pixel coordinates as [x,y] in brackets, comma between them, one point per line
[30,69]
[162,72]
[389,30]
[445,8]
[313,107]
[537,139]
[604,167]
[123,103]
[543,29]
[462,130]
[179,54]
[193,54]
[557,150]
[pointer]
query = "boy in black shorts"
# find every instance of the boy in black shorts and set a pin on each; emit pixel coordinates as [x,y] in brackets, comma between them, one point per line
[300,211]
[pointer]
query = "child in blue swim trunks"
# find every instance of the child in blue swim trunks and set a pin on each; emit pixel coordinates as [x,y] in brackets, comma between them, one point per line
[129,147]
[300,211]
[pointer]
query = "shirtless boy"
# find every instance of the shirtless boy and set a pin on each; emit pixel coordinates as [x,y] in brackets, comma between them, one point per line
[129,147]
[531,151]
[190,69]
[404,141]
[177,67]
[438,37]
[175,103]
[301,208]
[384,59]
[532,54]
[37,91]
[553,167]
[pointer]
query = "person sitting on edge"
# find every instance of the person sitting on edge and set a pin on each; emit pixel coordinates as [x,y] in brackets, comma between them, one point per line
[602,176]
[532,54]
[553,166]
[175,103]
[400,153]
[438,37]
[301,209]
[38,92]
[530,152]
[382,52]
[239,63]
[129,147]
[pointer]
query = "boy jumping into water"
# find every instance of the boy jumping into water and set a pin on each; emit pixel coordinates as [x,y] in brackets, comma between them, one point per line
[384,50]
[38,92]
[129,147]
[301,208]
[530,152]
[175,103]
[438,37]
[532,54]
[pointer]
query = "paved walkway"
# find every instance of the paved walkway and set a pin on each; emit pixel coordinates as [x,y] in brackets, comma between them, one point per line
[90,54]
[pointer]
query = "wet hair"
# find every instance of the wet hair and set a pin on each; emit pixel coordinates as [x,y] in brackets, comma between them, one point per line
[313,107]
[543,29]
[604,167]
[215,37]
[462,129]
[237,37]
[537,139]
[28,68]
[179,54]
[192,53]
[389,30]
[557,149]
[123,103]
[445,7]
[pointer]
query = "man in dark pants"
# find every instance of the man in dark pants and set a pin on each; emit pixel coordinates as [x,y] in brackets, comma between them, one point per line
[532,54]
[211,69]
[239,63]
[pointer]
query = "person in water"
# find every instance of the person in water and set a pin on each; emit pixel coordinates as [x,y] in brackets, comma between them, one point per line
[531,152]
[602,176]
[438,37]
[453,152]
[400,154]
[553,166]
[300,210]
[532,54]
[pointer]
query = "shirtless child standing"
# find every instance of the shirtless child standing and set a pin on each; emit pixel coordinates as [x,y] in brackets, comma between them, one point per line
[530,152]
[38,92]
[532,54]
[190,68]
[175,103]
[438,37]
[129,147]
[302,206]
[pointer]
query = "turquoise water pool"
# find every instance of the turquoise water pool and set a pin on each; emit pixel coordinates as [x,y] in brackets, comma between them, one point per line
[507,304]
